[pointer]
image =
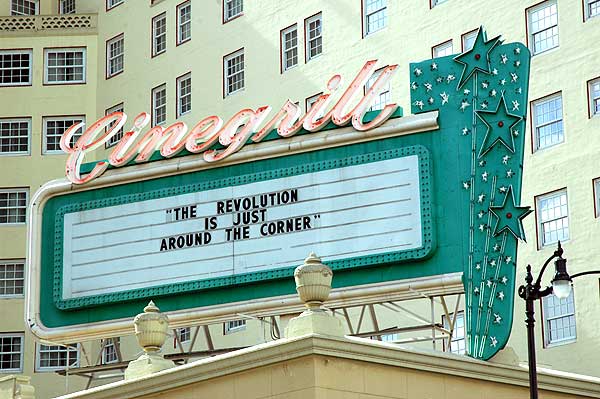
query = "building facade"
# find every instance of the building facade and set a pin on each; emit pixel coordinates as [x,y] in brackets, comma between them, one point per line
[67,60]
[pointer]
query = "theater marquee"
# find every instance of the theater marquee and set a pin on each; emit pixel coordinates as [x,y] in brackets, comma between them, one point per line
[211,221]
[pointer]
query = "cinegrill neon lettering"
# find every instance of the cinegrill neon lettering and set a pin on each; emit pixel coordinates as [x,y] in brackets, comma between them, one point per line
[244,126]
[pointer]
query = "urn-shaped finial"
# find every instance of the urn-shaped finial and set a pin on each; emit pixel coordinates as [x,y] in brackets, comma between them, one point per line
[313,281]
[151,328]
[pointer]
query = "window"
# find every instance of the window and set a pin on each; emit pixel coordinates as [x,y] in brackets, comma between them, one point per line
[442,50]
[313,30]
[113,3]
[159,34]
[594,90]
[184,94]
[468,40]
[114,139]
[543,27]
[14,136]
[115,50]
[596,183]
[13,206]
[234,326]
[289,47]
[159,105]
[15,67]
[308,103]
[54,127]
[559,320]
[553,218]
[384,95]
[548,122]
[11,352]
[56,357]
[110,354]
[436,2]
[24,7]
[233,66]
[232,9]
[67,7]
[12,278]
[64,66]
[184,22]
[185,334]
[592,8]
[457,343]
[375,15]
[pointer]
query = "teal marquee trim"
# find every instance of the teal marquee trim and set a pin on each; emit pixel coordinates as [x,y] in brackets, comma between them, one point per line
[184,186]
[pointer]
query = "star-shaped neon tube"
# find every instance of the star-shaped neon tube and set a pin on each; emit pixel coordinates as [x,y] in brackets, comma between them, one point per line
[499,127]
[478,58]
[509,216]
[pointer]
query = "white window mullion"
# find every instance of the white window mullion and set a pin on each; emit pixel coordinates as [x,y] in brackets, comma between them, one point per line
[543,27]
[115,53]
[159,105]
[289,45]
[119,135]
[553,218]
[548,122]
[159,34]
[64,66]
[12,278]
[313,28]
[11,352]
[54,128]
[233,71]
[15,67]
[184,94]
[559,320]
[375,15]
[184,22]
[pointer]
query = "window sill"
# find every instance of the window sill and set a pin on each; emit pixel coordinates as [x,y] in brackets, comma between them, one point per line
[560,343]
[232,18]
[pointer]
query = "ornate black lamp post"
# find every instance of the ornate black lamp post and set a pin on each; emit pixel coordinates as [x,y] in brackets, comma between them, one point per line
[561,287]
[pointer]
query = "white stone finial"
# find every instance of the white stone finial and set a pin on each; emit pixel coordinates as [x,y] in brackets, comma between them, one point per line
[313,283]
[151,332]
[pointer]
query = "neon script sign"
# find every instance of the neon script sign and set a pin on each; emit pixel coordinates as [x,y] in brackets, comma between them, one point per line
[242,127]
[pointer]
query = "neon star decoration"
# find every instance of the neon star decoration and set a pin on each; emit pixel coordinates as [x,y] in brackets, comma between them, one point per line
[509,216]
[476,60]
[499,128]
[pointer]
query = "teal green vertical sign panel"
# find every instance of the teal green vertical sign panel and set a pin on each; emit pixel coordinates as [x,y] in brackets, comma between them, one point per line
[481,96]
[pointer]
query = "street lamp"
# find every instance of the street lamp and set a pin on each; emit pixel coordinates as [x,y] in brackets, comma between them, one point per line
[561,287]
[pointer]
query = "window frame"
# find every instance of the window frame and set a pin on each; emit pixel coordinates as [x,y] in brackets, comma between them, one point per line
[229,329]
[17,190]
[113,344]
[162,86]
[365,18]
[48,50]
[178,9]
[155,19]
[227,57]
[38,358]
[108,75]
[178,81]
[283,50]
[446,324]
[546,331]
[435,3]
[591,111]
[45,119]
[37,8]
[374,78]
[307,21]
[114,5]
[464,36]
[530,35]
[27,119]
[439,45]
[226,19]
[596,191]
[310,101]
[28,51]
[16,334]
[538,218]
[535,147]
[4,262]
[120,106]
[61,8]
[586,9]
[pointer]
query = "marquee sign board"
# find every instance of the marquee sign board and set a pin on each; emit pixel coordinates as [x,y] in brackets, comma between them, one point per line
[391,198]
